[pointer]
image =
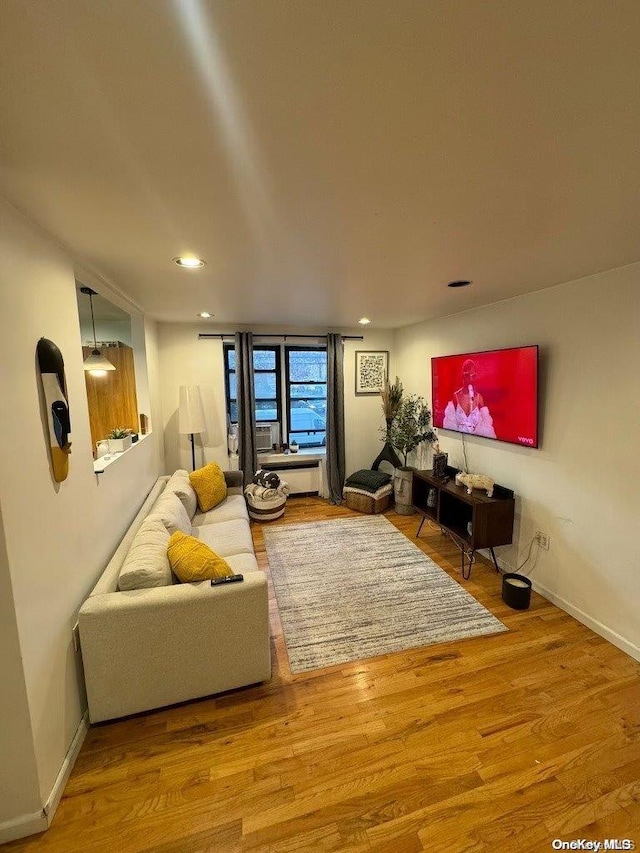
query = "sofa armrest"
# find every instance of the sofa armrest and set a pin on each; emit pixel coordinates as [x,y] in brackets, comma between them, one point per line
[148,648]
[235,482]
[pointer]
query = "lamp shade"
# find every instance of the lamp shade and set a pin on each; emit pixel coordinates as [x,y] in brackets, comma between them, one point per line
[190,411]
[97,362]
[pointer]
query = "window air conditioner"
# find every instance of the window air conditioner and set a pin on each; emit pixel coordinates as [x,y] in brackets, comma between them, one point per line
[263,437]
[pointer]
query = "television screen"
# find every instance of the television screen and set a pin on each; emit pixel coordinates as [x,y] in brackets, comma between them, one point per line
[492,394]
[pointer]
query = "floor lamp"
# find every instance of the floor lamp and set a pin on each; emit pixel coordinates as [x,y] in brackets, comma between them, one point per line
[190,415]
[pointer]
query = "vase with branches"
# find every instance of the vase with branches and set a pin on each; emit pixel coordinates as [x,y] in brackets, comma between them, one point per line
[391,399]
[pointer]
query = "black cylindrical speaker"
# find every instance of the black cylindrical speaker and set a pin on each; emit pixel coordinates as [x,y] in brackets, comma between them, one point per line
[516,591]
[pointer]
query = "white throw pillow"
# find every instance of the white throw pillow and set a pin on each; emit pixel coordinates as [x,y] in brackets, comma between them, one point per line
[146,564]
[174,516]
[181,487]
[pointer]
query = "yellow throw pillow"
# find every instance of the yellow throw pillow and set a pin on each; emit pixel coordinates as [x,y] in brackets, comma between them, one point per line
[192,560]
[209,485]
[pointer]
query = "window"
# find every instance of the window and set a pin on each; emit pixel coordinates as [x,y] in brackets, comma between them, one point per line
[266,369]
[301,411]
[306,384]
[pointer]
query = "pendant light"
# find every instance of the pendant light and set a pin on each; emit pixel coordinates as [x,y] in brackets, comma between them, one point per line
[96,364]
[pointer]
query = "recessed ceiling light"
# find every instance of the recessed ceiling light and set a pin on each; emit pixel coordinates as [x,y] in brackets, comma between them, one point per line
[461,283]
[364,321]
[190,262]
[205,315]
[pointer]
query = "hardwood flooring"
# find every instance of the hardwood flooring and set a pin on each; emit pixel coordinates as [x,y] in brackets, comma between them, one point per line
[496,743]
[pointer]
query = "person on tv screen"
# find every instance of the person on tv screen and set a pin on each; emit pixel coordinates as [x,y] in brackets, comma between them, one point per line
[467,411]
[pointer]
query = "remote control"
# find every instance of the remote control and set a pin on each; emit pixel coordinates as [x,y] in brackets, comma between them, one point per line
[227,579]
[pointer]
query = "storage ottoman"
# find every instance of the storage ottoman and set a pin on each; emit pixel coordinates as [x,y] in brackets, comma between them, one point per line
[368,491]
[369,502]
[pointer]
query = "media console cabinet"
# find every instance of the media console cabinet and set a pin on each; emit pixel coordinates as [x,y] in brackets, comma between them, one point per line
[473,521]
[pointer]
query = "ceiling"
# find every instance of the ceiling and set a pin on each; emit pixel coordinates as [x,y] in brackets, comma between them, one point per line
[328,158]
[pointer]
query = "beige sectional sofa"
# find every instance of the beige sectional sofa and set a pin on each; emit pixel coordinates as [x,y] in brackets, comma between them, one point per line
[169,642]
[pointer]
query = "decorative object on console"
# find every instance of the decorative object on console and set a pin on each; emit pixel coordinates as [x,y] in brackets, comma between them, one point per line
[54,389]
[440,463]
[96,363]
[191,416]
[475,481]
[119,439]
[372,369]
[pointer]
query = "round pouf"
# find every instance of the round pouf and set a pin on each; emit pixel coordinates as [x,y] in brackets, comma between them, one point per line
[516,591]
[269,510]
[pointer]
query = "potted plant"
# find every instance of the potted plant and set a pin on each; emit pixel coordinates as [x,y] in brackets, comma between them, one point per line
[408,429]
[119,439]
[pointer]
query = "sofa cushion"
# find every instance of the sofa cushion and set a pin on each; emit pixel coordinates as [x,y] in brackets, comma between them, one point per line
[242,563]
[232,508]
[146,564]
[192,560]
[180,485]
[226,537]
[210,486]
[170,510]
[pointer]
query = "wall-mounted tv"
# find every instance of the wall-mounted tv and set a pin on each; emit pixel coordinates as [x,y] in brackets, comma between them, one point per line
[492,394]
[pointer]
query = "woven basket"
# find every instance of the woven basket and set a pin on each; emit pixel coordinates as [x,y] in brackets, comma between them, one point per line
[366,503]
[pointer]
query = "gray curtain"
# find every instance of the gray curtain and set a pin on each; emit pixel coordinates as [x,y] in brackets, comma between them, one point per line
[335,417]
[246,397]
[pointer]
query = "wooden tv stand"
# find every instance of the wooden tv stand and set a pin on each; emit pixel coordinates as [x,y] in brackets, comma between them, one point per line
[490,519]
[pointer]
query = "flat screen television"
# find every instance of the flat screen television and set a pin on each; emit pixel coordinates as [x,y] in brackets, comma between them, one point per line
[492,394]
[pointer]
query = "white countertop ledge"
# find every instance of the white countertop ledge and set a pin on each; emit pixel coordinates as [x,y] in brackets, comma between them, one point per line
[101,464]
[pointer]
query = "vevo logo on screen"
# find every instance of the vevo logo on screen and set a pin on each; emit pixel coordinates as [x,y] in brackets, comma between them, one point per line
[523,440]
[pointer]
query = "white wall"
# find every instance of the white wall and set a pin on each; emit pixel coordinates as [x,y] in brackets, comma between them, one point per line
[58,536]
[19,791]
[185,360]
[106,330]
[581,486]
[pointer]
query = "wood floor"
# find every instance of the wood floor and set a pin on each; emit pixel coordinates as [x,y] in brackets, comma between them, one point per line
[497,743]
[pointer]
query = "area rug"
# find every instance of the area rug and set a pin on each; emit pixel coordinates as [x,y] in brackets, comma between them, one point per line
[356,588]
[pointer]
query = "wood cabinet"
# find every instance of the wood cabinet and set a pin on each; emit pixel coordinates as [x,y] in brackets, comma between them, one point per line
[112,398]
[473,521]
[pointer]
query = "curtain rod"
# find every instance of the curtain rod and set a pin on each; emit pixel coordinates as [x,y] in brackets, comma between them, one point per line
[284,337]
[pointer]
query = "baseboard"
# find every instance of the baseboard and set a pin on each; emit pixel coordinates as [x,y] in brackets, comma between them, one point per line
[67,766]
[20,827]
[596,626]
[29,824]
[600,629]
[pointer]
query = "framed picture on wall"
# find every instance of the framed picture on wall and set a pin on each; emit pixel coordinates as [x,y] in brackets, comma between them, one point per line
[372,369]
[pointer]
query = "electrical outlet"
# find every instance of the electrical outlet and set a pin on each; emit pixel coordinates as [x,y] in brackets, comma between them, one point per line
[76,637]
[544,540]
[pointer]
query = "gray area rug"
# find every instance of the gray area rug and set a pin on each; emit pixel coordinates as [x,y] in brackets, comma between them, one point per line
[355,588]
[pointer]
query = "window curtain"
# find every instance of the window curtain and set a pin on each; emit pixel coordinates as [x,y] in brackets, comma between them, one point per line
[246,397]
[335,418]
